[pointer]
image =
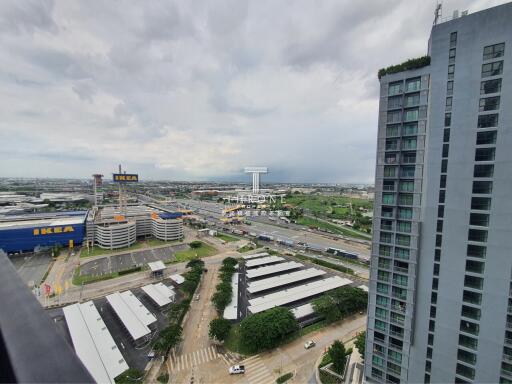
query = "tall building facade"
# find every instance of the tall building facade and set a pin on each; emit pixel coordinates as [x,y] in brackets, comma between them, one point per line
[440,305]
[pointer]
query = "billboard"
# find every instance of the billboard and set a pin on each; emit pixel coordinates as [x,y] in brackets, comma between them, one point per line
[125,178]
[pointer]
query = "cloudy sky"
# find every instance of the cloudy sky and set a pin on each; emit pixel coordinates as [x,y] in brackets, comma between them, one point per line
[196,90]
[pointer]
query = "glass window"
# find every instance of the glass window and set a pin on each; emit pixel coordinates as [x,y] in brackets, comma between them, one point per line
[405,199]
[381,313]
[451,55]
[394,117]
[474,266]
[403,240]
[395,356]
[382,301]
[466,356]
[469,327]
[411,114]
[387,212]
[447,119]
[391,158]
[483,170]
[404,226]
[449,87]
[385,238]
[410,129]
[393,130]
[439,226]
[482,187]
[471,312]
[384,250]
[473,282]
[388,185]
[412,100]
[494,51]
[453,39]
[440,211]
[388,198]
[395,88]
[481,203]
[485,154]
[472,297]
[476,251]
[402,253]
[448,103]
[392,144]
[469,342]
[492,69]
[490,86]
[405,213]
[486,137]
[444,165]
[442,181]
[451,71]
[382,288]
[395,102]
[390,171]
[446,150]
[479,219]
[406,186]
[486,121]
[489,103]
[409,157]
[446,135]
[479,235]
[409,143]
[376,360]
[465,371]
[381,325]
[407,171]
[413,84]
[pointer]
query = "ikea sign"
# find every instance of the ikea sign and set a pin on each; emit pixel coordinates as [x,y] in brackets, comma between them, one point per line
[53,230]
[125,178]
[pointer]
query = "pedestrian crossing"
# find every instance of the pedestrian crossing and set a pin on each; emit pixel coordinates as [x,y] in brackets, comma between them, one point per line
[179,362]
[256,372]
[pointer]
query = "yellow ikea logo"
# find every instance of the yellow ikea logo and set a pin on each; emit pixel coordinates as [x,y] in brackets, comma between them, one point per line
[125,177]
[53,230]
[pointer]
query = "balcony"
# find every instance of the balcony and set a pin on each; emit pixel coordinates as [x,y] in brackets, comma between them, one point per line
[400,282]
[508,325]
[400,296]
[401,270]
[399,308]
[397,334]
[508,341]
[507,358]
[397,321]
[386,227]
[504,372]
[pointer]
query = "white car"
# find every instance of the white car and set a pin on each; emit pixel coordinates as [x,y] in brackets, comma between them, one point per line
[236,369]
[309,344]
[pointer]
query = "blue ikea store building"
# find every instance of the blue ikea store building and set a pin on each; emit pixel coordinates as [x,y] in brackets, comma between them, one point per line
[24,233]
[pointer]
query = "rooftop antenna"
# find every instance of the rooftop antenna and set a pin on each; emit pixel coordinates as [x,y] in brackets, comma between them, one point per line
[438,13]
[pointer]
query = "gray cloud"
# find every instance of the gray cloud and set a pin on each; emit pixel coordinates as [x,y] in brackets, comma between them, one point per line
[198,90]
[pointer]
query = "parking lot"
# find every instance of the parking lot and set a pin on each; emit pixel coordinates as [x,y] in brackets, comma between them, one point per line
[136,357]
[117,263]
[32,267]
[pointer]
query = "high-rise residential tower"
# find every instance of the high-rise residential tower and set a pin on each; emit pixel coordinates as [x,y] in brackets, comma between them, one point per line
[440,307]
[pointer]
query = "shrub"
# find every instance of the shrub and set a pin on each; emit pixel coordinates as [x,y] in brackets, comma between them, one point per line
[405,66]
[195,244]
[338,356]
[360,342]
[219,329]
[284,378]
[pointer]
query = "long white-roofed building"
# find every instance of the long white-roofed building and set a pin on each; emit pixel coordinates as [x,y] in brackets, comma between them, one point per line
[93,342]
[283,280]
[272,269]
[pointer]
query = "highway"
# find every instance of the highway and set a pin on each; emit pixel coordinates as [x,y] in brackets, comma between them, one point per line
[280,230]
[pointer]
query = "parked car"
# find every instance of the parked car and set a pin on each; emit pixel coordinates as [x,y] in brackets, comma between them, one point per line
[196,297]
[309,344]
[236,369]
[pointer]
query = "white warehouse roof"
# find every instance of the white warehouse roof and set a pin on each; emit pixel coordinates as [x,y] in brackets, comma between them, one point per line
[291,295]
[177,278]
[230,312]
[254,256]
[93,342]
[156,266]
[135,327]
[303,311]
[281,267]
[142,313]
[159,293]
[263,261]
[277,281]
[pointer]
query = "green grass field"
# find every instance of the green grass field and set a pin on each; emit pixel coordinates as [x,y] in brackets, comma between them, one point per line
[335,206]
[193,253]
[227,238]
[309,221]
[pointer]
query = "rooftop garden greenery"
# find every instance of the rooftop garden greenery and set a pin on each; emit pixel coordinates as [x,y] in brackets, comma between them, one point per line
[416,63]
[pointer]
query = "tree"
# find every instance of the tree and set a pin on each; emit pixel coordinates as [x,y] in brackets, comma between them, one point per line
[229,262]
[195,263]
[360,342]
[338,356]
[130,376]
[219,329]
[195,244]
[267,329]
[221,299]
[326,307]
[168,338]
